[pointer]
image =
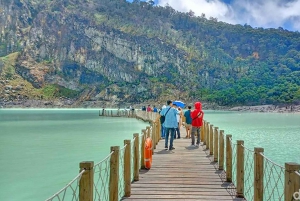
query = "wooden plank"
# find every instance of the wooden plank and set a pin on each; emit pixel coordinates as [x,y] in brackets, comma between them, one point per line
[185,173]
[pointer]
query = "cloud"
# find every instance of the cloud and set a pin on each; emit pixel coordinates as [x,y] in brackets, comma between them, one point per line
[257,13]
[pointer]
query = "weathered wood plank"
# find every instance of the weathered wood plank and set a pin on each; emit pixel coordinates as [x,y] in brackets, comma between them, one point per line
[186,173]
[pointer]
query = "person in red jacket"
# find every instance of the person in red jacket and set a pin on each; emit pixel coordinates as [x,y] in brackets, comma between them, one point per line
[197,122]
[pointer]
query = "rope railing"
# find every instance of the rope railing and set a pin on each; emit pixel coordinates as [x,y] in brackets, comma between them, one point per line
[108,180]
[249,172]
[132,159]
[121,186]
[252,176]
[273,180]
[234,156]
[69,192]
[101,188]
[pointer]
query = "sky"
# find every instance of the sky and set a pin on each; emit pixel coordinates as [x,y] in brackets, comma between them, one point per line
[256,13]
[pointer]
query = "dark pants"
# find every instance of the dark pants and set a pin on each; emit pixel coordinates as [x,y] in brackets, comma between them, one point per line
[171,132]
[177,130]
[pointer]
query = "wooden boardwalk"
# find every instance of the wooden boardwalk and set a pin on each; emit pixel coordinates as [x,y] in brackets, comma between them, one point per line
[185,173]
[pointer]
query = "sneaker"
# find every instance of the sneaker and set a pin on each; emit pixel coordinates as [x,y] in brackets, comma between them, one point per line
[166,147]
[171,148]
[197,145]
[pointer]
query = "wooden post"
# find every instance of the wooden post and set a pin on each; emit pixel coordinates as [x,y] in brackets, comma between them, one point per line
[204,132]
[86,183]
[216,144]
[291,182]
[258,174]
[228,159]
[240,169]
[207,135]
[158,126]
[153,136]
[143,148]
[136,157]
[211,140]
[127,168]
[221,150]
[114,174]
[148,131]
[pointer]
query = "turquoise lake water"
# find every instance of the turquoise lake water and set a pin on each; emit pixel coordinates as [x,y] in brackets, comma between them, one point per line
[40,150]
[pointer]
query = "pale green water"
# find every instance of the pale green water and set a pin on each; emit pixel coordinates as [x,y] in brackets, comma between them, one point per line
[40,150]
[277,133]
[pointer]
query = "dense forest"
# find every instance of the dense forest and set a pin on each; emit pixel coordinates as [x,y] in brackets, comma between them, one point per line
[226,64]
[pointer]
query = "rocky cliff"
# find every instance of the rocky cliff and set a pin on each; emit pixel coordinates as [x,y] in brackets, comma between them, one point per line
[62,44]
[95,52]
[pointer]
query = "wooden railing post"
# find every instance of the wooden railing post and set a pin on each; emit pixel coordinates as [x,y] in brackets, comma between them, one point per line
[204,132]
[136,157]
[291,182]
[211,140]
[114,174]
[127,168]
[228,159]
[153,136]
[148,131]
[258,174]
[207,135]
[143,138]
[158,131]
[221,150]
[86,183]
[216,144]
[240,169]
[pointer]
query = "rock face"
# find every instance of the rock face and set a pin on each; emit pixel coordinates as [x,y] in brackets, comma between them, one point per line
[61,43]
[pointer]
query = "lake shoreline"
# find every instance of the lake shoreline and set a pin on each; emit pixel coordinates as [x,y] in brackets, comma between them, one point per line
[69,104]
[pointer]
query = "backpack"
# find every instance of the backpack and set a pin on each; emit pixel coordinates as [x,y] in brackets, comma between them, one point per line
[163,117]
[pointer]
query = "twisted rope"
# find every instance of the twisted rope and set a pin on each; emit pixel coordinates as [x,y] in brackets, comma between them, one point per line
[247,149]
[273,180]
[103,170]
[248,173]
[64,190]
[121,173]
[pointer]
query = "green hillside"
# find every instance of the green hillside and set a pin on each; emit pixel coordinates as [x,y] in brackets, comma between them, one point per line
[202,58]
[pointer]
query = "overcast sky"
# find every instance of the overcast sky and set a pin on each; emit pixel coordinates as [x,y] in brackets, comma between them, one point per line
[257,13]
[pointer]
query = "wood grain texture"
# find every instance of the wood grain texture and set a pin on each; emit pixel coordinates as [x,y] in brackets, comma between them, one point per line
[185,173]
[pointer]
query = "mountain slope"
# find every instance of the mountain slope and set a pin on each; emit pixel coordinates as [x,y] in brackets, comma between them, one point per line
[120,52]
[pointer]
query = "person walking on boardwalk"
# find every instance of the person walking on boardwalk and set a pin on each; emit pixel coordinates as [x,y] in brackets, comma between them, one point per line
[149,109]
[188,122]
[197,121]
[163,130]
[178,117]
[170,123]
